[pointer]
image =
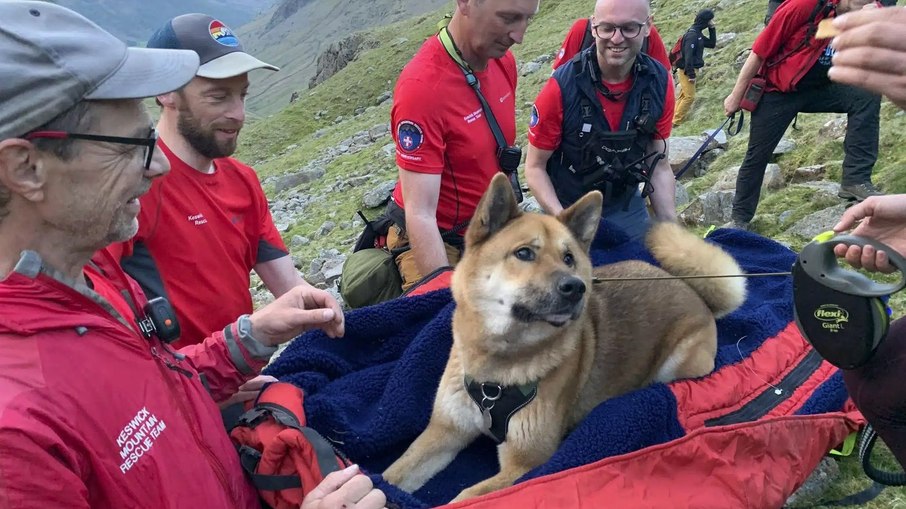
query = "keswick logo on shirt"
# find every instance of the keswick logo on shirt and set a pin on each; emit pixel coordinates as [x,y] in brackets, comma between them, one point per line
[409,136]
[222,34]
[138,437]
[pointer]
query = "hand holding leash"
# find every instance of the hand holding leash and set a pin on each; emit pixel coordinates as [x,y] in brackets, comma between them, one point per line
[818,260]
[879,217]
[839,311]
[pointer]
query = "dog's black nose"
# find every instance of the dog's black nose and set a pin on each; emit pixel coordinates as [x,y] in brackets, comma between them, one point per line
[571,288]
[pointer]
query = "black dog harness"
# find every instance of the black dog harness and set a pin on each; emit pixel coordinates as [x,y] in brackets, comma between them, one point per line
[498,403]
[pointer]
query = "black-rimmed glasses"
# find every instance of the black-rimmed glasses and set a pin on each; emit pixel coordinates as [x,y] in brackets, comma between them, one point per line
[628,31]
[149,143]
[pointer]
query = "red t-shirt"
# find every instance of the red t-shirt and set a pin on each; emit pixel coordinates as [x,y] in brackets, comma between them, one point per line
[200,235]
[785,32]
[546,126]
[439,127]
[573,43]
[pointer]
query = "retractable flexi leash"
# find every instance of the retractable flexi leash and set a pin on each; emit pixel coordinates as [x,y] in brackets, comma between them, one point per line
[842,313]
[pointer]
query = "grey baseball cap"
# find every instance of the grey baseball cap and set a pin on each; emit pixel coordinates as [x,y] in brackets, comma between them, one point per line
[51,58]
[219,49]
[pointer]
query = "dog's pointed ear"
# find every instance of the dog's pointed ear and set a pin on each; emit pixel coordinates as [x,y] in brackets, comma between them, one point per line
[496,208]
[583,217]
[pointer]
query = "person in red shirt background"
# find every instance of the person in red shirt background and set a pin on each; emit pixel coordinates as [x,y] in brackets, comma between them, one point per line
[445,150]
[602,122]
[580,37]
[794,65]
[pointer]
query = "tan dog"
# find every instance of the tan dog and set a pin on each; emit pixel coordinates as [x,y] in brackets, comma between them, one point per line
[531,329]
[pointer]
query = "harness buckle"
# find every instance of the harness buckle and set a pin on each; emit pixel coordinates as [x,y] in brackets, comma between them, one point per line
[252,417]
[486,398]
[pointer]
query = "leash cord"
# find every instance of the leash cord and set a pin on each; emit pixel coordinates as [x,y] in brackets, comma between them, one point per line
[701,276]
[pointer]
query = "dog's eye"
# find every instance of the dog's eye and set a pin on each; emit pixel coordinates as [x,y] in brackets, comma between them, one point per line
[525,254]
[569,260]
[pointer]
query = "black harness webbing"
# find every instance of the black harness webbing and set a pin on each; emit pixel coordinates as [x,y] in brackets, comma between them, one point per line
[498,404]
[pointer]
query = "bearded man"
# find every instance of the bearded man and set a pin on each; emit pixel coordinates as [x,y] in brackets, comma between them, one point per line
[206,225]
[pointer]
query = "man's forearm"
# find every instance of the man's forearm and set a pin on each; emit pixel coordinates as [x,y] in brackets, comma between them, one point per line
[711,40]
[427,244]
[663,199]
[542,189]
[279,275]
[749,70]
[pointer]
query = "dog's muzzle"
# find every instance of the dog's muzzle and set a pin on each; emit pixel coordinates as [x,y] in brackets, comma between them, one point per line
[556,306]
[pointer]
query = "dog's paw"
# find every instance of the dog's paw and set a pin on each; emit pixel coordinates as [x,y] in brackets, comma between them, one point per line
[393,476]
[475,491]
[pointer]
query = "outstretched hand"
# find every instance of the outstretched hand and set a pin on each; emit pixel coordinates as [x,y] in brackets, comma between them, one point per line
[871,52]
[882,218]
[248,391]
[302,308]
[345,489]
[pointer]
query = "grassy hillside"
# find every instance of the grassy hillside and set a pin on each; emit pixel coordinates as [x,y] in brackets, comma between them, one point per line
[292,38]
[287,141]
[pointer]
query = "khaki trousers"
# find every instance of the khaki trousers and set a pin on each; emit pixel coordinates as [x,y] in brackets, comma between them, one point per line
[685,99]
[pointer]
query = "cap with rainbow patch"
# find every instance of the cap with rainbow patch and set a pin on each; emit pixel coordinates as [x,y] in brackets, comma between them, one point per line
[219,49]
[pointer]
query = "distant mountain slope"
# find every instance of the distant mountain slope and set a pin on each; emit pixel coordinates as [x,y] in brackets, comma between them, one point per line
[294,32]
[135,20]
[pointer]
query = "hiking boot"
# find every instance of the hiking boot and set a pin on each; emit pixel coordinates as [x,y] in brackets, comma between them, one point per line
[739,225]
[858,192]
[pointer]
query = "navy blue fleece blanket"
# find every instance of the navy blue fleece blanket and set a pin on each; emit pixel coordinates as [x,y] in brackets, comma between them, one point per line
[371,392]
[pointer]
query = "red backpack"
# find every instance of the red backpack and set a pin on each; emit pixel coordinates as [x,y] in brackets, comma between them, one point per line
[283,458]
[676,53]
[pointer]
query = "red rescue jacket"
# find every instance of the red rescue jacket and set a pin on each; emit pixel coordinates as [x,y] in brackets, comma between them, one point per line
[93,414]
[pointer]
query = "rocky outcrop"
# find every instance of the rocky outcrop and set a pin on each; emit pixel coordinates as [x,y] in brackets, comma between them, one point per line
[286,9]
[338,55]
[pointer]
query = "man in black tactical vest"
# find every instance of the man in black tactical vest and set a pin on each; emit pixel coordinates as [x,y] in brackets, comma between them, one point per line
[602,122]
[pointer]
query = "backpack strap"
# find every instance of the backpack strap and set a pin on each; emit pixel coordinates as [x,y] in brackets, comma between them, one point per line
[503,147]
[587,39]
[249,459]
[398,217]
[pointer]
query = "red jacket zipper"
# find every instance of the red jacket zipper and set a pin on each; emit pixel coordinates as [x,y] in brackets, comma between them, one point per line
[216,466]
